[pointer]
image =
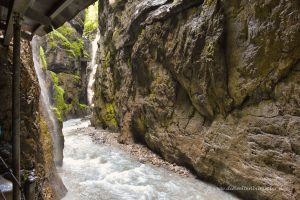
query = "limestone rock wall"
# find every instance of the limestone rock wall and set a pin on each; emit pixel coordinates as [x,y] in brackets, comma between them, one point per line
[63,52]
[36,142]
[212,84]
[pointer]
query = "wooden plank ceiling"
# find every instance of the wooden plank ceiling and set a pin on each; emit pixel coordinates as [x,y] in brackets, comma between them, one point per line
[38,16]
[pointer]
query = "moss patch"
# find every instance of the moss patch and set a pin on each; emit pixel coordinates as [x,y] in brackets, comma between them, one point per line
[60,106]
[91,19]
[60,37]
[54,78]
[141,125]
[110,117]
[43,59]
[66,102]
[83,106]
[46,142]
[107,60]
[209,51]
[64,77]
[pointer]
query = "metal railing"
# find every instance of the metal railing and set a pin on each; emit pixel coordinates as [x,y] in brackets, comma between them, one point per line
[3,196]
[9,170]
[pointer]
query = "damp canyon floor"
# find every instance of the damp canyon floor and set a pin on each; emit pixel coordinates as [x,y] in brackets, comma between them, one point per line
[96,167]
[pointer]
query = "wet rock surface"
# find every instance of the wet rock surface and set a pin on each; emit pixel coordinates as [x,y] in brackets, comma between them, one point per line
[139,151]
[64,54]
[36,142]
[212,85]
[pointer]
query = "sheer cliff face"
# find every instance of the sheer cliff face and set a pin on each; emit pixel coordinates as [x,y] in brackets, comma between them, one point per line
[210,84]
[36,142]
[62,52]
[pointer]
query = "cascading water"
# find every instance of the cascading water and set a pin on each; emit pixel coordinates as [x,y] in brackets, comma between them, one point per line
[93,68]
[46,103]
[94,171]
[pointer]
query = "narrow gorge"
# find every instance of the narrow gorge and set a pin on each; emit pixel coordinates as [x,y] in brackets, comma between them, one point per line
[152,99]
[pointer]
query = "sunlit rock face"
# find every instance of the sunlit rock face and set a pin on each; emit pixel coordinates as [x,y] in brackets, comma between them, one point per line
[213,85]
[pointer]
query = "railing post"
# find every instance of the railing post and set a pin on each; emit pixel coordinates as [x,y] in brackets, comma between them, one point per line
[16,106]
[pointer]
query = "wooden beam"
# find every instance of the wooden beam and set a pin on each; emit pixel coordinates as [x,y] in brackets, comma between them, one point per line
[38,17]
[55,13]
[18,6]
[26,36]
[16,117]
[61,8]
[4,3]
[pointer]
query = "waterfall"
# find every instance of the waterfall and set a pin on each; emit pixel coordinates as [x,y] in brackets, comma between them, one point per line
[93,68]
[45,102]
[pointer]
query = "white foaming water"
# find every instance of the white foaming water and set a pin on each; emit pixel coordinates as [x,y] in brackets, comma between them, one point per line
[93,66]
[100,172]
[45,99]
[112,2]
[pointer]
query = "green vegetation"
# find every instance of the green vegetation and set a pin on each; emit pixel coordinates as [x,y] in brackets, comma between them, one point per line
[208,3]
[143,32]
[197,10]
[60,106]
[110,115]
[209,51]
[91,19]
[67,38]
[43,59]
[60,37]
[129,62]
[140,125]
[66,30]
[106,60]
[83,106]
[54,78]
[76,79]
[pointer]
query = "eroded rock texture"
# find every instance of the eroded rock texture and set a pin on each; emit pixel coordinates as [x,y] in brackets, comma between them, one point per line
[63,54]
[36,141]
[212,84]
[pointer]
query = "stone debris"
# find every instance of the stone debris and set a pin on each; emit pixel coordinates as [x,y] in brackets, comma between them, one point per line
[137,150]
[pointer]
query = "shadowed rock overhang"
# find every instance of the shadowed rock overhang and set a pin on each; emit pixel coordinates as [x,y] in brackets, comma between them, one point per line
[38,16]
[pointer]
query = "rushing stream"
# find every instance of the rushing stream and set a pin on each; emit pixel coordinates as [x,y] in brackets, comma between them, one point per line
[93,171]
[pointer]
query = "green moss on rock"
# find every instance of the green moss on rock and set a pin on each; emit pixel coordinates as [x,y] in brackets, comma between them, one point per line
[60,37]
[91,19]
[107,60]
[54,78]
[60,106]
[83,106]
[141,125]
[110,117]
[209,50]
[43,58]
